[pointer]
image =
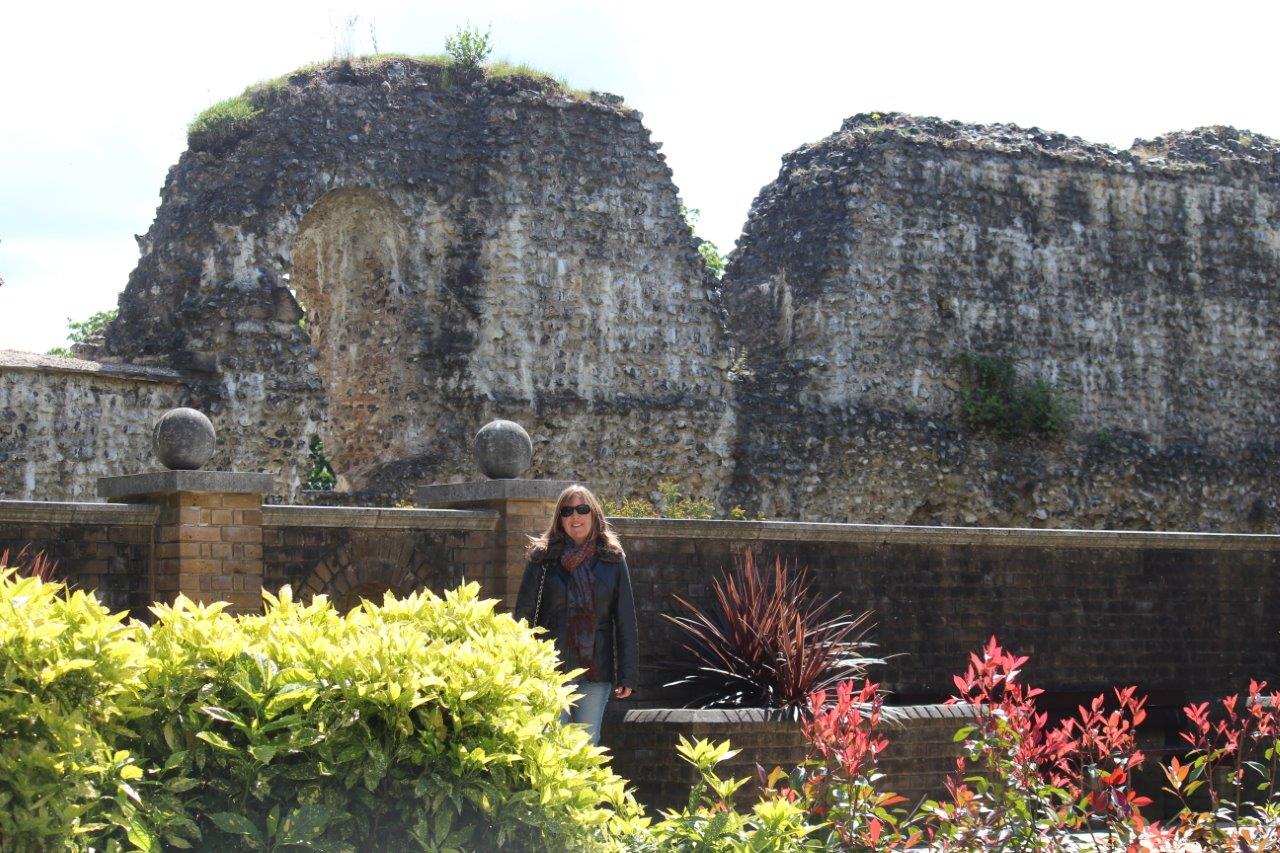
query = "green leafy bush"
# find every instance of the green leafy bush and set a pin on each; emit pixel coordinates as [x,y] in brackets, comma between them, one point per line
[629,508]
[423,722]
[710,252]
[68,669]
[711,823]
[996,399]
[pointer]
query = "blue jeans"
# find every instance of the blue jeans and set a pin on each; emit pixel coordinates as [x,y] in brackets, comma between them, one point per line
[589,709]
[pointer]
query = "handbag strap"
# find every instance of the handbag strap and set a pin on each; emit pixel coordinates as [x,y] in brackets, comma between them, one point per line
[537,608]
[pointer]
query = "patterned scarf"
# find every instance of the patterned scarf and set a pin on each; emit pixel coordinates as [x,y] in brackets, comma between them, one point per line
[581,640]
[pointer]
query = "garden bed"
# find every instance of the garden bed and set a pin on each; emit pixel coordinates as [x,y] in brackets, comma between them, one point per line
[921,752]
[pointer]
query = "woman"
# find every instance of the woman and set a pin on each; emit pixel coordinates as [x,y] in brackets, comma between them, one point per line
[576,586]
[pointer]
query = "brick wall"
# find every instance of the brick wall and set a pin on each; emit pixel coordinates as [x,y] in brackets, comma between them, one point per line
[341,551]
[98,547]
[1180,615]
[345,552]
[208,545]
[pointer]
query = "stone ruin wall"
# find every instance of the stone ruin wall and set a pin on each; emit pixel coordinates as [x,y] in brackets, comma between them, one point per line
[391,259]
[1143,284]
[65,422]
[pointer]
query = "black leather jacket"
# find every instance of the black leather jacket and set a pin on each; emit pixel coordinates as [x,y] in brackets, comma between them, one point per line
[544,600]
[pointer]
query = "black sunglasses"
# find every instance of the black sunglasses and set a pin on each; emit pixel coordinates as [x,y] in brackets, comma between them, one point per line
[580,509]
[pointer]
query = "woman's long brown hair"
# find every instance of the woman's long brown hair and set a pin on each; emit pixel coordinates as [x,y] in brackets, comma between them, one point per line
[606,540]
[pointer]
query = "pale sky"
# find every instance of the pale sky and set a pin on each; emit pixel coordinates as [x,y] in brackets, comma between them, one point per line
[97,97]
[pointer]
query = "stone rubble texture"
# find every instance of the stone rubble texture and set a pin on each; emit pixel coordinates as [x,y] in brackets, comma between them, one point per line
[391,256]
[64,422]
[464,250]
[1141,283]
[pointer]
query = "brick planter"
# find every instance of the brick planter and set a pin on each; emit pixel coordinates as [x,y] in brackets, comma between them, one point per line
[920,755]
[644,748]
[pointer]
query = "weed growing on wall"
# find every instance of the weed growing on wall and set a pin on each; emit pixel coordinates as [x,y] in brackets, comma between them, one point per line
[320,476]
[994,398]
[629,508]
[468,47]
[224,120]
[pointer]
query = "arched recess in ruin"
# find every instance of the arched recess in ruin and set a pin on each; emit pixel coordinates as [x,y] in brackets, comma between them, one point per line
[350,273]
[373,562]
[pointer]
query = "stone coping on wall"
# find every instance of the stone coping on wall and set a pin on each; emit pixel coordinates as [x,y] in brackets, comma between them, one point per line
[739,716]
[901,713]
[167,482]
[18,360]
[51,512]
[1021,537]
[706,716]
[384,518]
[477,491]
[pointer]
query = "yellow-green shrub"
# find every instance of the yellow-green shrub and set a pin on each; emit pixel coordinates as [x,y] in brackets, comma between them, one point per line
[422,723]
[68,671]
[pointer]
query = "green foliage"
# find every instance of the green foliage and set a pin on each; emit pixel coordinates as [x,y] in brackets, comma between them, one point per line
[320,477]
[468,47]
[78,332]
[423,721]
[710,823]
[222,121]
[711,257]
[672,503]
[995,399]
[709,251]
[629,508]
[675,504]
[68,669]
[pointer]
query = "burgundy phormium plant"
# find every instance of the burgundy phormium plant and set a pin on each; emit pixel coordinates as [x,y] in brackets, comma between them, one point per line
[29,565]
[767,642]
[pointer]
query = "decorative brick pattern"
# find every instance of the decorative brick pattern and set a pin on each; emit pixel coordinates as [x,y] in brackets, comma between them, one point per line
[337,561]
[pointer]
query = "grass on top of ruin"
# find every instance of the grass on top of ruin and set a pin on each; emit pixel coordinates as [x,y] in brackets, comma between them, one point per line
[229,117]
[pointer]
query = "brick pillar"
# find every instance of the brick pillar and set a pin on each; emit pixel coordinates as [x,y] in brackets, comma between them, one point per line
[524,509]
[207,541]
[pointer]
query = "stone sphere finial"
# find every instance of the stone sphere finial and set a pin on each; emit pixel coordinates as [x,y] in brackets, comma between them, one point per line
[183,439]
[504,450]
